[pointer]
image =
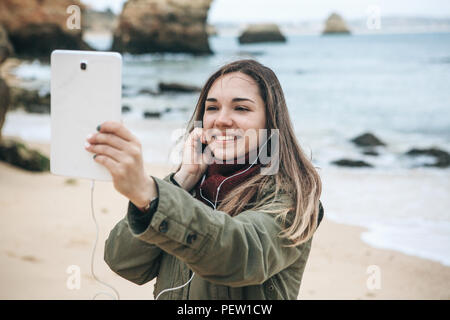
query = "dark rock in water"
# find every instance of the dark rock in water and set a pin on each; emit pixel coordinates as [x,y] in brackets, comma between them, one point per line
[4,103]
[152,114]
[41,40]
[442,157]
[367,140]
[370,153]
[178,26]
[167,110]
[35,27]
[177,87]
[148,91]
[261,33]
[17,154]
[6,49]
[5,96]
[30,100]
[38,108]
[351,163]
[126,109]
[250,53]
[335,25]
[184,109]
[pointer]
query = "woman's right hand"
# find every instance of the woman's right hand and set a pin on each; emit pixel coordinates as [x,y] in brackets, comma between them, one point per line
[194,161]
[120,152]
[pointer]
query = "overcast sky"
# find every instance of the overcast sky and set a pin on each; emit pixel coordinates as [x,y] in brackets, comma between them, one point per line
[301,10]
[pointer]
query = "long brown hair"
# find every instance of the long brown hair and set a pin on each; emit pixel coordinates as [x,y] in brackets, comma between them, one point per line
[297,184]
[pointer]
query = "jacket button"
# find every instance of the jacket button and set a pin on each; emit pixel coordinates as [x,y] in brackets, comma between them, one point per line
[271,287]
[163,227]
[191,238]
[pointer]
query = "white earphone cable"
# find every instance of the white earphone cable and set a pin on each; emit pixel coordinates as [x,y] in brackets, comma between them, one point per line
[176,288]
[214,206]
[236,174]
[193,273]
[117,296]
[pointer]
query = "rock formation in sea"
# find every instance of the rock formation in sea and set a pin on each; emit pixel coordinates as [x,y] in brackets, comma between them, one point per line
[177,26]
[4,103]
[37,27]
[18,154]
[29,100]
[177,87]
[261,33]
[11,150]
[442,158]
[367,140]
[6,50]
[351,163]
[335,24]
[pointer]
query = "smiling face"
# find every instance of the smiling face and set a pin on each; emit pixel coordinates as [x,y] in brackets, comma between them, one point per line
[234,110]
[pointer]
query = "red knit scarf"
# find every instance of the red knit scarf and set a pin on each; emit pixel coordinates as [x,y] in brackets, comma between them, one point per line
[216,173]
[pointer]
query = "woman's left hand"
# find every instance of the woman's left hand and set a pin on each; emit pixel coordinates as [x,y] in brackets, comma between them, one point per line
[120,152]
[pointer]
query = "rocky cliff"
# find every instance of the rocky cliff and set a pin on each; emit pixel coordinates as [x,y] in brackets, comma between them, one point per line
[36,27]
[262,33]
[147,26]
[335,24]
[6,50]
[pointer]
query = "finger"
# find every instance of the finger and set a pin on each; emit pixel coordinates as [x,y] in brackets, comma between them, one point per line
[103,149]
[195,134]
[118,129]
[196,144]
[207,156]
[198,134]
[191,141]
[109,139]
[110,164]
[209,133]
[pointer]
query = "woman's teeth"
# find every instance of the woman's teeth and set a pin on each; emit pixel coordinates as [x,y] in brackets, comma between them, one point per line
[225,138]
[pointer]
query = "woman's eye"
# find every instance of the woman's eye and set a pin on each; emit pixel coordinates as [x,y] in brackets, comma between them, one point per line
[211,108]
[239,108]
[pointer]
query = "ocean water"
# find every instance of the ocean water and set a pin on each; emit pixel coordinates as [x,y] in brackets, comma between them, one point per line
[395,86]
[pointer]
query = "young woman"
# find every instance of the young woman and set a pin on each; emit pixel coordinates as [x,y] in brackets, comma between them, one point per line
[218,227]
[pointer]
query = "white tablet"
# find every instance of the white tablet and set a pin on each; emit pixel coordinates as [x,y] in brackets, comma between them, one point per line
[86,90]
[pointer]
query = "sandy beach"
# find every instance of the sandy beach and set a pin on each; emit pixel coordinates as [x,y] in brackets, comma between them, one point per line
[386,229]
[47,227]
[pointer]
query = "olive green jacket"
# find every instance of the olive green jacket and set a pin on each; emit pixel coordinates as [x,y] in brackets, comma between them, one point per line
[237,257]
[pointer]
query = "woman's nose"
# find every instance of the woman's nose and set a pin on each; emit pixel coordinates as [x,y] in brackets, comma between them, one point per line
[223,119]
